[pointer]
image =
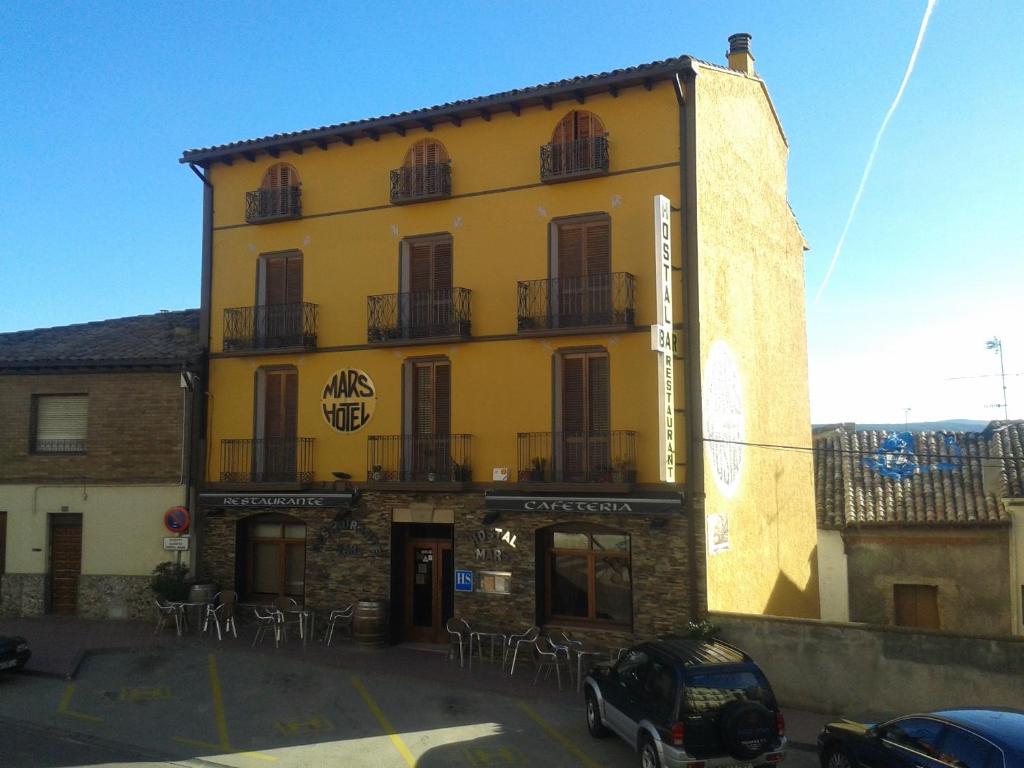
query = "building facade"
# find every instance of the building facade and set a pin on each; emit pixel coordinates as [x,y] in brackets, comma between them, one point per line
[432,374]
[922,529]
[93,453]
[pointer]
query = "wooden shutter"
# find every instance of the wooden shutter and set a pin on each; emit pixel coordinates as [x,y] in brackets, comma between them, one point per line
[598,257]
[573,399]
[916,605]
[570,250]
[564,131]
[272,178]
[61,417]
[281,398]
[293,280]
[423,400]
[442,399]
[420,267]
[598,394]
[282,280]
[442,267]
[280,175]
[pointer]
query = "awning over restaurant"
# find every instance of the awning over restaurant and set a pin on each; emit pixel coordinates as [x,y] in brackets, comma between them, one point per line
[646,504]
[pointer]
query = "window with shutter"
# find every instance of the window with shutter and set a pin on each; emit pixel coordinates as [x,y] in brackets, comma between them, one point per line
[576,144]
[585,417]
[278,191]
[429,439]
[60,423]
[277,424]
[584,262]
[429,298]
[916,605]
[423,171]
[278,317]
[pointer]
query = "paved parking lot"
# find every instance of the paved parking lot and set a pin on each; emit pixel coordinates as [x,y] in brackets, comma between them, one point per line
[197,705]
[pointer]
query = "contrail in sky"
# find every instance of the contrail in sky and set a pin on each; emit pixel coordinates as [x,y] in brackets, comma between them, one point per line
[874,149]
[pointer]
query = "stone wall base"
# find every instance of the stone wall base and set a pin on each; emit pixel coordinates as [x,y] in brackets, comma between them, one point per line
[22,594]
[114,597]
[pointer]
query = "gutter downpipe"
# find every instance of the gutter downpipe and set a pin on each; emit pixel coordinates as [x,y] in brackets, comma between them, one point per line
[197,457]
[686,92]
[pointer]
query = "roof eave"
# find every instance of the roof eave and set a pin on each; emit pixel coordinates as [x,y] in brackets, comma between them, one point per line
[455,112]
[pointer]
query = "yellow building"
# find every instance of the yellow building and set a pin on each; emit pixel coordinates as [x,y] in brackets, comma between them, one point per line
[433,378]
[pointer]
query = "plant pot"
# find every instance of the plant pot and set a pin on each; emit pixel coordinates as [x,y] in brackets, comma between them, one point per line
[431,477]
[377,476]
[618,477]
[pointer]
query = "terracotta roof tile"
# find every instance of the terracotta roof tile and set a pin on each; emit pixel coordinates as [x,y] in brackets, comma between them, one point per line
[165,337]
[948,477]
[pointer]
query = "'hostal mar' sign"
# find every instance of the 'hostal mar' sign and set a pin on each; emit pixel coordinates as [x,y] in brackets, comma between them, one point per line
[348,400]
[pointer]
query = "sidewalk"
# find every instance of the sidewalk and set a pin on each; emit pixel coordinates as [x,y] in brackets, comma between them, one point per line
[60,645]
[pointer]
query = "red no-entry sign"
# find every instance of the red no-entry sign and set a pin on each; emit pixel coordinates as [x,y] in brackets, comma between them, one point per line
[177,520]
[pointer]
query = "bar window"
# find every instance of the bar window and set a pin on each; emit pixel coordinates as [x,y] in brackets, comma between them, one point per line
[587,574]
[59,423]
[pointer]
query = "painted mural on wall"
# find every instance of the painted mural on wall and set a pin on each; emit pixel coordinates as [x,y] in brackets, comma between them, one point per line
[718,533]
[723,418]
[349,400]
[896,457]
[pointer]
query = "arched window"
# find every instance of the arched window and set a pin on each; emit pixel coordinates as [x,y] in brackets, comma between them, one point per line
[425,173]
[579,146]
[278,196]
[587,573]
[274,556]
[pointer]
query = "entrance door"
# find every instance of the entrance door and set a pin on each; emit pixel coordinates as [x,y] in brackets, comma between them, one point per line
[428,593]
[65,562]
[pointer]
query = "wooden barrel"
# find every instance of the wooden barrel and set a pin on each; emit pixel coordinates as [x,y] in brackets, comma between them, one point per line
[370,623]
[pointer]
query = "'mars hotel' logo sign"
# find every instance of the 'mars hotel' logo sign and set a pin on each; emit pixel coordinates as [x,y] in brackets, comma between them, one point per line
[348,400]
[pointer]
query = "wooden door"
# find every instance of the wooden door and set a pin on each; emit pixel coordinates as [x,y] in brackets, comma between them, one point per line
[429,581]
[65,562]
[280,425]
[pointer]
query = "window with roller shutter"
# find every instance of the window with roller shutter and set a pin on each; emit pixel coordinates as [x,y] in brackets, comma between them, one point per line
[425,173]
[59,423]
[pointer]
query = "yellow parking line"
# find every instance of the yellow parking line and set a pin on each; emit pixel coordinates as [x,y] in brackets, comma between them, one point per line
[64,708]
[384,724]
[550,731]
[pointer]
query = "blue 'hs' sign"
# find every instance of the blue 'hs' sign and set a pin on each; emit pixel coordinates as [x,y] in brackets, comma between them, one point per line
[463,581]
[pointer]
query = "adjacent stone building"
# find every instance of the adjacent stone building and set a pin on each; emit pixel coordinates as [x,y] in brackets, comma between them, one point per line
[922,529]
[93,435]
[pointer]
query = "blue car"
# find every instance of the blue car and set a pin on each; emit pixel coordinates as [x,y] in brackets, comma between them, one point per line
[955,738]
[14,653]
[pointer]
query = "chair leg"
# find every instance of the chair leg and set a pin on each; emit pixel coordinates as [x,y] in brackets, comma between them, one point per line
[330,634]
[216,623]
[234,629]
[515,655]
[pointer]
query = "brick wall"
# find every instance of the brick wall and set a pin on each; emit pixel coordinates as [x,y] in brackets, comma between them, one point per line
[134,427]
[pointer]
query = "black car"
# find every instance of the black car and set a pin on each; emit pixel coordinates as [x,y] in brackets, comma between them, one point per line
[14,653]
[955,738]
[685,702]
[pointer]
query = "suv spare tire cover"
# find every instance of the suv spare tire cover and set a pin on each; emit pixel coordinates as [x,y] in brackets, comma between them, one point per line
[747,728]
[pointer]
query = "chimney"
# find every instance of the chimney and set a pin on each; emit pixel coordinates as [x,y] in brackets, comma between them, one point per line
[740,58]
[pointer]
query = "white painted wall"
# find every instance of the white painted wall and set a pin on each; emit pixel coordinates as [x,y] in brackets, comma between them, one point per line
[122,526]
[834,580]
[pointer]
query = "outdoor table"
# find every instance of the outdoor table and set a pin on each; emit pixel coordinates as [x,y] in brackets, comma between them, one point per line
[481,635]
[580,654]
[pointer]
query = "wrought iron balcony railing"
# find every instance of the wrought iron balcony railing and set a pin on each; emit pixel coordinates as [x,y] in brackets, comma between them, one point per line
[577,457]
[411,184]
[442,312]
[267,460]
[574,159]
[606,299]
[278,204]
[61,445]
[419,458]
[270,326]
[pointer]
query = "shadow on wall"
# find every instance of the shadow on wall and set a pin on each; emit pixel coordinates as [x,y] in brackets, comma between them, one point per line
[789,599]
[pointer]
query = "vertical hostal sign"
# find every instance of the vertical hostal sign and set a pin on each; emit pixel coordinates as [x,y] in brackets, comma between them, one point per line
[661,338]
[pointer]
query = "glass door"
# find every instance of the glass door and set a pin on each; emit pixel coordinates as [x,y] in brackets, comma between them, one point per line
[428,602]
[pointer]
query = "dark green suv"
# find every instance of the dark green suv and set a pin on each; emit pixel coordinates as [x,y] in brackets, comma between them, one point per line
[684,702]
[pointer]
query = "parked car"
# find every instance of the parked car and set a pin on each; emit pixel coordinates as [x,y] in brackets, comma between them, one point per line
[955,738]
[14,653]
[685,702]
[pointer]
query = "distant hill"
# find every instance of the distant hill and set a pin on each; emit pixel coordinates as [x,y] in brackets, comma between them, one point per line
[947,425]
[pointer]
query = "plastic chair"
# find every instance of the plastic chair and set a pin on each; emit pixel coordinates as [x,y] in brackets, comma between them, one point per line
[269,619]
[343,615]
[222,612]
[166,611]
[458,635]
[528,637]
[550,654]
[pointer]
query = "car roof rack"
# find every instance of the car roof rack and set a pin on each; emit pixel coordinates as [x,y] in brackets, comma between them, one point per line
[692,652]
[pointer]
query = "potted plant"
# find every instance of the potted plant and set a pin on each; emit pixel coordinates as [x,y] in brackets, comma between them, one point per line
[622,470]
[376,473]
[460,472]
[170,581]
[538,467]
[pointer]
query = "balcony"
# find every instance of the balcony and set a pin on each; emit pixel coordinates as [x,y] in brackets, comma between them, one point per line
[402,317]
[270,326]
[413,184]
[578,159]
[267,205]
[577,457]
[596,301]
[267,460]
[419,459]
